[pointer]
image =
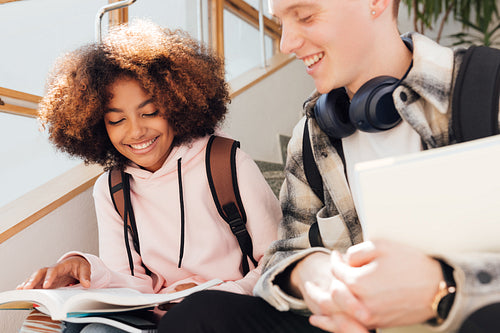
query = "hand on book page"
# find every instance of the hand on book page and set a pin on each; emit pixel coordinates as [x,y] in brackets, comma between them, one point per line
[75,269]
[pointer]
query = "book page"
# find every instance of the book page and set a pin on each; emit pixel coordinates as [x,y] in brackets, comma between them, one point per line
[133,322]
[67,302]
[106,300]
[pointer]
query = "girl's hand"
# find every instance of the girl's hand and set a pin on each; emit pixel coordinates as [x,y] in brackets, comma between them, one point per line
[184,286]
[69,271]
[180,287]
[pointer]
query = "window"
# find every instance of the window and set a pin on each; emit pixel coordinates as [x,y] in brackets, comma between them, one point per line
[242,47]
[34,33]
[28,160]
[231,27]
[235,34]
[173,14]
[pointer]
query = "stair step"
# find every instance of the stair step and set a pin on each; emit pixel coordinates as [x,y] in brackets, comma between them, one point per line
[273,173]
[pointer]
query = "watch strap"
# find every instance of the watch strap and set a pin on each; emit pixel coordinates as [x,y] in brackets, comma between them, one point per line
[444,298]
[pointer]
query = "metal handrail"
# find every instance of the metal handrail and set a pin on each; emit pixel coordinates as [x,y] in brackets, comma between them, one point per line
[103,10]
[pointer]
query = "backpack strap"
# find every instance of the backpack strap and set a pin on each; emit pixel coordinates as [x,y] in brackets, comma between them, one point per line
[310,168]
[476,94]
[119,187]
[314,178]
[220,161]
[315,182]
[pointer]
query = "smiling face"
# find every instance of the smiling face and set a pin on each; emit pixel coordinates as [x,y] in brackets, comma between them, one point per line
[331,37]
[136,126]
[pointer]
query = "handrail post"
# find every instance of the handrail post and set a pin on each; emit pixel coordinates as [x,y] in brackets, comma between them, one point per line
[262,35]
[200,20]
[105,9]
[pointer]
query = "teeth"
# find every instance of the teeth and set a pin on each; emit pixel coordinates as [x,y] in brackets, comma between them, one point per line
[143,145]
[309,61]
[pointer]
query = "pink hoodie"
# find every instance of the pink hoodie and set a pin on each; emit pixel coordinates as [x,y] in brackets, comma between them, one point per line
[210,248]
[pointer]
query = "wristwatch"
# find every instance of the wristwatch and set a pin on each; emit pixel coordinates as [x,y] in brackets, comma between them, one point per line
[443,300]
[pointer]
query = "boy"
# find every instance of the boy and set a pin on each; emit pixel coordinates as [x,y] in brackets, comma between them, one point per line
[345,44]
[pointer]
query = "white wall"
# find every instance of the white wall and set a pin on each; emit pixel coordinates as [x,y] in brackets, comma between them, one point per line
[269,108]
[71,227]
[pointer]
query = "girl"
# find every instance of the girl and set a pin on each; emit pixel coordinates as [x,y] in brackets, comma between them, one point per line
[146,101]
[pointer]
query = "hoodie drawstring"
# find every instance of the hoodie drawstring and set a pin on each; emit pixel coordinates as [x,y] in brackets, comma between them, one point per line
[181,200]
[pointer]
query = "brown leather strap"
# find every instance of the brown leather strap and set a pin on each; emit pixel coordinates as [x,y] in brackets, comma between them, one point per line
[223,177]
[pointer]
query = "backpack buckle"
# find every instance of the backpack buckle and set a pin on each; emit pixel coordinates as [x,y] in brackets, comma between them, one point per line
[237,225]
[234,219]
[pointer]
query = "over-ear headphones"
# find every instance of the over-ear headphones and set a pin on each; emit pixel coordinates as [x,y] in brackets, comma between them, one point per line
[370,110]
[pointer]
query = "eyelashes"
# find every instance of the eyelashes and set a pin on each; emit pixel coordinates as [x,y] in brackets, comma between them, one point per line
[115,122]
[305,19]
[153,114]
[144,115]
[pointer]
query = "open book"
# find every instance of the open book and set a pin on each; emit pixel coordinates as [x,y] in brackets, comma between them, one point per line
[70,304]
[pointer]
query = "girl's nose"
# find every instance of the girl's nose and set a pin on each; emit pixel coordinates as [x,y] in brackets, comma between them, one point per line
[137,129]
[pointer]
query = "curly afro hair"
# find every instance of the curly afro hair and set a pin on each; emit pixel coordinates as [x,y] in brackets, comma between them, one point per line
[183,77]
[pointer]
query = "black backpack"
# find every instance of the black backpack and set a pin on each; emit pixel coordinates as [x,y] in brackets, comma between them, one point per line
[221,174]
[474,114]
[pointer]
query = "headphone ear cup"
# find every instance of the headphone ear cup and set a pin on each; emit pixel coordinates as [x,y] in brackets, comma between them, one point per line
[332,114]
[372,107]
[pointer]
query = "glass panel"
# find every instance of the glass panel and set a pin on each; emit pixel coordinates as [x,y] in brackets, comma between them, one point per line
[242,46]
[28,160]
[35,33]
[255,4]
[173,14]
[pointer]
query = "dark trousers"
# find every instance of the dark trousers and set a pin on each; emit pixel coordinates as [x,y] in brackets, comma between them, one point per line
[213,311]
[484,320]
